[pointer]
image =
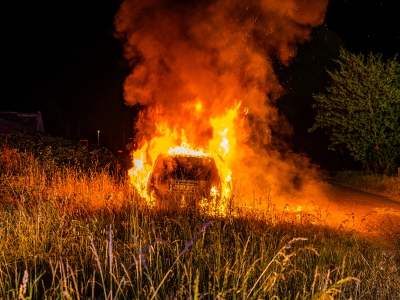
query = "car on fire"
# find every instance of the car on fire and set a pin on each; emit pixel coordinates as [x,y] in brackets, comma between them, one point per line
[187,177]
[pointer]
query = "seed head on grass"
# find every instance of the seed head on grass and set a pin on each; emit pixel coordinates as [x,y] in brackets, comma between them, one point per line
[98,264]
[23,286]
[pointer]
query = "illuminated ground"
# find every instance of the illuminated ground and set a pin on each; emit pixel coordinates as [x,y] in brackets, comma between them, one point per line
[362,211]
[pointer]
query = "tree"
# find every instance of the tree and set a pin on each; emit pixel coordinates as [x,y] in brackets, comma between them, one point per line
[361,109]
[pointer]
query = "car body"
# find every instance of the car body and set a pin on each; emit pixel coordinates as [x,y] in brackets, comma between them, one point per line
[187,177]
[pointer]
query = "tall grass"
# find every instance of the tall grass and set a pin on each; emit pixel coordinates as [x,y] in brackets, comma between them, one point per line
[69,234]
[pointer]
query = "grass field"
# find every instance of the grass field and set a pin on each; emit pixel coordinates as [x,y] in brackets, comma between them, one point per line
[72,234]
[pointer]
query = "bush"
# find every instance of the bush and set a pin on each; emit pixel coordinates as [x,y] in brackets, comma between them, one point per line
[361,110]
[57,152]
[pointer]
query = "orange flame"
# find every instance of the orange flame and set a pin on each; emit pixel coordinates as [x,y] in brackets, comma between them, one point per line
[221,148]
[203,72]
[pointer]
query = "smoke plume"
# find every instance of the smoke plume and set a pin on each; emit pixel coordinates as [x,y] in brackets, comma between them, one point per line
[217,53]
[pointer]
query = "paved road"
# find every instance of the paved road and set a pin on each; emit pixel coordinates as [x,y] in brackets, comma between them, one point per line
[339,206]
[362,211]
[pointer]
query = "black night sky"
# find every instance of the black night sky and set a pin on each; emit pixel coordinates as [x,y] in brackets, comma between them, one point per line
[60,57]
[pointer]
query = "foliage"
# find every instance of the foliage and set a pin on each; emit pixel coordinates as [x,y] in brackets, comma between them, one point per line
[73,235]
[361,109]
[57,152]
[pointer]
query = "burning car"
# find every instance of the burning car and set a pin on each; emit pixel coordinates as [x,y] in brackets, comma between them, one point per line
[184,177]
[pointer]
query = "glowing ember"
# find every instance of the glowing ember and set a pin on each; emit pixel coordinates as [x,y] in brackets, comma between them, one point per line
[298,208]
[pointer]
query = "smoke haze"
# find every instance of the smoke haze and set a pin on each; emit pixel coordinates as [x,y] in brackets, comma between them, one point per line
[218,53]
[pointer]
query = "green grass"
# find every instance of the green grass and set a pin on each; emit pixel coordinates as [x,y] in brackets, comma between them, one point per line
[69,234]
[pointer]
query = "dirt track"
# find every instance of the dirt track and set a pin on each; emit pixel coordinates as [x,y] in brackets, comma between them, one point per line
[362,211]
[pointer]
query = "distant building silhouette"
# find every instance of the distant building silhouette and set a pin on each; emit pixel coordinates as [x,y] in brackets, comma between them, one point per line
[25,123]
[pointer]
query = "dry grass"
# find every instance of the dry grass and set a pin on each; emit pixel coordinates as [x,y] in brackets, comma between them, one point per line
[67,234]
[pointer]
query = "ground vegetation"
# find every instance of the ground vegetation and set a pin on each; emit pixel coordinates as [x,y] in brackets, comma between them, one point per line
[360,110]
[68,233]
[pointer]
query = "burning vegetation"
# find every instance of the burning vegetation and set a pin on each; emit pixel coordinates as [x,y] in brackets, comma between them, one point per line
[203,72]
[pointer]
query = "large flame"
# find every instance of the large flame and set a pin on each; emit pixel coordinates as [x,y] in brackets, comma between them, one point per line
[221,148]
[203,72]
